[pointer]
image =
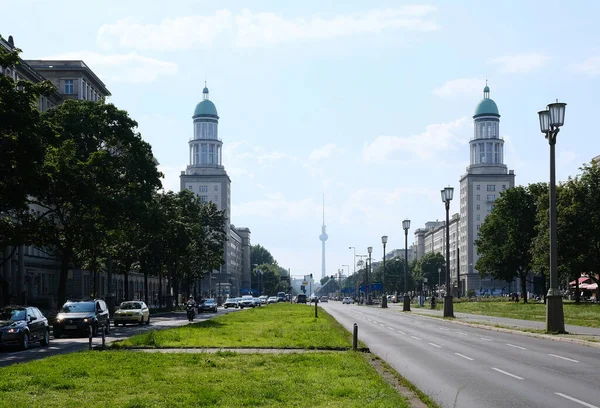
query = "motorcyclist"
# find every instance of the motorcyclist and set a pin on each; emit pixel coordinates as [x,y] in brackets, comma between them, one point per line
[191,302]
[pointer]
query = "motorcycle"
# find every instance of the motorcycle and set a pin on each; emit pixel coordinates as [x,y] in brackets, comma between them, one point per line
[191,312]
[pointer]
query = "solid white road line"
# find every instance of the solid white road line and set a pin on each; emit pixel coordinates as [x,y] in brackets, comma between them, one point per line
[519,347]
[585,404]
[507,373]
[415,337]
[435,345]
[463,356]
[564,358]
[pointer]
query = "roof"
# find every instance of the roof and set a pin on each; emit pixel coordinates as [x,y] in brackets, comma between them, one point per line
[487,106]
[206,108]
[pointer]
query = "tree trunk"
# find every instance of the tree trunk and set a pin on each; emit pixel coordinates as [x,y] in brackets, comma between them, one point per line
[545,289]
[146,285]
[524,286]
[160,284]
[126,284]
[577,294]
[65,261]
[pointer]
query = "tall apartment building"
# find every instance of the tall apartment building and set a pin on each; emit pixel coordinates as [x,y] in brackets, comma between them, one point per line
[206,177]
[486,177]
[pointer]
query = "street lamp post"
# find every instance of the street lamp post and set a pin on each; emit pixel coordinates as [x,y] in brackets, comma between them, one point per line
[384,293]
[439,280]
[551,119]
[367,291]
[353,260]
[447,194]
[406,227]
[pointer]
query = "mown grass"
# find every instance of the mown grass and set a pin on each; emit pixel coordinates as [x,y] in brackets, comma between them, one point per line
[585,314]
[281,325]
[226,379]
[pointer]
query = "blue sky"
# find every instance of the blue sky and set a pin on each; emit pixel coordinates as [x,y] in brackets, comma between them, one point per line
[367,102]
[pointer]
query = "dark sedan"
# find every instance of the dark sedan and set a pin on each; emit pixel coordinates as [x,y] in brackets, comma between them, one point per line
[22,325]
[209,305]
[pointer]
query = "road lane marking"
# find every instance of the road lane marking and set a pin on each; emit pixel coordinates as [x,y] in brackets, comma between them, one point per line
[564,358]
[443,328]
[519,347]
[585,404]
[483,338]
[464,334]
[382,325]
[507,373]
[463,356]
[391,328]
[435,345]
[400,331]
[415,337]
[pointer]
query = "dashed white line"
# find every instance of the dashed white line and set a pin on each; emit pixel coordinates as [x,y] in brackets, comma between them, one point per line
[486,339]
[416,338]
[585,404]
[443,328]
[463,356]
[507,373]
[464,334]
[382,325]
[391,328]
[519,347]
[401,332]
[564,358]
[435,345]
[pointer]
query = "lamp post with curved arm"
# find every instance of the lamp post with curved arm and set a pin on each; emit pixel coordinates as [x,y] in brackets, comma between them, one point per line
[447,194]
[368,292]
[384,240]
[406,227]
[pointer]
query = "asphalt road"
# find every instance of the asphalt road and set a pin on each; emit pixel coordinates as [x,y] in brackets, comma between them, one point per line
[67,344]
[466,367]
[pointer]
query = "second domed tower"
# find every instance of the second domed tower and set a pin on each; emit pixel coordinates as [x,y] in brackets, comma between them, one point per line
[487,148]
[206,147]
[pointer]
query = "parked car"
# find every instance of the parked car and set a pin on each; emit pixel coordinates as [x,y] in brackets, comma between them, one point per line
[272,299]
[79,316]
[208,305]
[23,325]
[231,302]
[132,312]
[347,301]
[324,299]
[246,301]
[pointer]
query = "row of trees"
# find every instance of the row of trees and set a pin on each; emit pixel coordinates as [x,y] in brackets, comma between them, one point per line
[267,276]
[79,182]
[514,243]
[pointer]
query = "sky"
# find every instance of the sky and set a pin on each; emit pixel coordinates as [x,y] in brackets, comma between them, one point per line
[369,103]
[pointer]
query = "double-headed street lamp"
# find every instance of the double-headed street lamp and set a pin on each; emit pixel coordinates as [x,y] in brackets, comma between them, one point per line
[551,119]
[447,194]
[353,259]
[367,291]
[406,227]
[384,294]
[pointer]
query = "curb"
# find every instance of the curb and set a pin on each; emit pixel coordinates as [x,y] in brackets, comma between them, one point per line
[516,331]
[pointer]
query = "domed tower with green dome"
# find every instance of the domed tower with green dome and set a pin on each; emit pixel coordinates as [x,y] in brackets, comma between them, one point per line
[206,177]
[486,177]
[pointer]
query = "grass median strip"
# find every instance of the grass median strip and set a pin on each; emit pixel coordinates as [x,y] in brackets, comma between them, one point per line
[281,325]
[224,379]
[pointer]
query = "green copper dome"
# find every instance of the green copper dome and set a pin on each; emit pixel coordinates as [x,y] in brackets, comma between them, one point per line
[487,106]
[206,108]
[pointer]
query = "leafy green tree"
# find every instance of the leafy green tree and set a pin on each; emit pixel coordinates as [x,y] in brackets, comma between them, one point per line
[259,255]
[506,238]
[427,267]
[98,165]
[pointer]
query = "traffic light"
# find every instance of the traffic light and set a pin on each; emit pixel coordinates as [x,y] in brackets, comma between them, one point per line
[311,275]
[332,277]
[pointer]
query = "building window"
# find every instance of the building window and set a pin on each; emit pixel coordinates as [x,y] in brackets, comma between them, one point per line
[478,197]
[211,154]
[503,187]
[491,197]
[190,188]
[478,217]
[203,189]
[478,187]
[69,87]
[204,159]
[203,199]
[478,206]
[478,226]
[491,187]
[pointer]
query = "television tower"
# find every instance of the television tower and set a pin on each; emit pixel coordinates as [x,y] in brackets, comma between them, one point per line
[323,237]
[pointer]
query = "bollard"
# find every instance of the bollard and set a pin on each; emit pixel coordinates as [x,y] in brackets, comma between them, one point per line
[103,338]
[355,338]
[90,335]
[316,313]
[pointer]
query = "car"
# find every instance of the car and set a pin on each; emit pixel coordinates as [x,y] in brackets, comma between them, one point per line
[281,296]
[301,298]
[23,325]
[134,311]
[347,301]
[257,301]
[246,301]
[272,299]
[231,302]
[324,299]
[80,316]
[208,305]
[263,299]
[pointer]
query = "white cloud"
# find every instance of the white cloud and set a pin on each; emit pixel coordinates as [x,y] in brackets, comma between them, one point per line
[460,87]
[520,63]
[275,205]
[436,138]
[129,67]
[249,29]
[590,66]
[324,152]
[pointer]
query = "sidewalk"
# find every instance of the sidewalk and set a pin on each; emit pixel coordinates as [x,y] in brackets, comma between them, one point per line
[575,333]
